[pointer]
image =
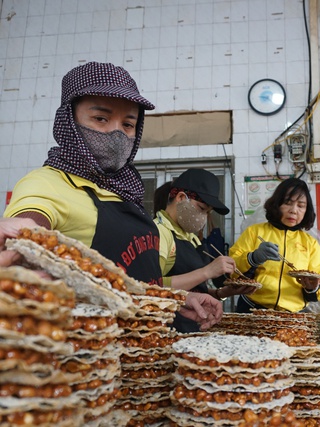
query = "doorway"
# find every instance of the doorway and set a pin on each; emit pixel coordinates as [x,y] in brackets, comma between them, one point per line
[157,173]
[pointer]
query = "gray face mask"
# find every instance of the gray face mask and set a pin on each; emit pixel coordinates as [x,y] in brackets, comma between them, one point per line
[189,218]
[110,149]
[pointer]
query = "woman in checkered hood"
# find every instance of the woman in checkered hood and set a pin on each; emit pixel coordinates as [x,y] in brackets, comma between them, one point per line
[88,188]
[98,128]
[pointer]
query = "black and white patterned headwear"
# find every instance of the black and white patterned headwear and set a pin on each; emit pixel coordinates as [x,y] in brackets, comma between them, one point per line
[72,155]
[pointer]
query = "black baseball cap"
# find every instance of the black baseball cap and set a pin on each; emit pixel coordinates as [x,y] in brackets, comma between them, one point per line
[205,184]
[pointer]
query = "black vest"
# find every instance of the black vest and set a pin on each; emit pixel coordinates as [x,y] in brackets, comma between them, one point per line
[188,258]
[127,235]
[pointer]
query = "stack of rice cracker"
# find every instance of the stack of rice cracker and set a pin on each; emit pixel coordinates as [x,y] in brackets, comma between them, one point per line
[231,380]
[34,315]
[114,317]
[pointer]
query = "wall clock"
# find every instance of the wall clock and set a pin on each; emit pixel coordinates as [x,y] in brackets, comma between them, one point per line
[266,96]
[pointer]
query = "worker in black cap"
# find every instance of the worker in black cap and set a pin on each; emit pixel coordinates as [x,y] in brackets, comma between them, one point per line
[190,198]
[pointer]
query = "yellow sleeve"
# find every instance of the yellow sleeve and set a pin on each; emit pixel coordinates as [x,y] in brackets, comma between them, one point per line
[167,282]
[247,242]
[37,192]
[68,208]
[167,251]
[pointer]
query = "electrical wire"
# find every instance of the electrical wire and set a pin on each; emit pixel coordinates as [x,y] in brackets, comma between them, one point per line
[309,48]
[232,181]
[307,121]
[308,113]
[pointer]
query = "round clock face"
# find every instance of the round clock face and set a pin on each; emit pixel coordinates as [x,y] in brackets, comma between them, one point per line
[266,96]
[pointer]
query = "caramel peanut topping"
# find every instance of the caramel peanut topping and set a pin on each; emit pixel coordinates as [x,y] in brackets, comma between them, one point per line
[92,324]
[149,420]
[34,418]
[140,392]
[31,326]
[294,337]
[51,243]
[144,358]
[302,406]
[214,363]
[150,341]
[29,356]
[149,406]
[20,290]
[151,308]
[149,374]
[241,398]
[225,379]
[135,323]
[89,344]
[74,366]
[104,398]
[248,417]
[306,391]
[165,293]
[48,391]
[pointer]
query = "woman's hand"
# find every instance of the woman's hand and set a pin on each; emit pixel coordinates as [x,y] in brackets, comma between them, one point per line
[10,227]
[266,251]
[231,290]
[203,309]
[309,283]
[221,265]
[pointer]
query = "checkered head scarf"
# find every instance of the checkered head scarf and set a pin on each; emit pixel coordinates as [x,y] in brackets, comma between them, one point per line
[72,155]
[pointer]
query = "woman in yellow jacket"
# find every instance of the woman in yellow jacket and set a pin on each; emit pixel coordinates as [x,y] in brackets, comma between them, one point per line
[289,211]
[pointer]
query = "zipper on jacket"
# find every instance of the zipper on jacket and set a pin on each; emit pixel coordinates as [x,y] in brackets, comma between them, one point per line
[281,271]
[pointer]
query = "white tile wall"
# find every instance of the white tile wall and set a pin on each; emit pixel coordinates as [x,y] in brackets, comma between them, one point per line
[167,58]
[169,15]
[204,13]
[70,7]
[203,35]
[53,8]
[134,18]
[152,17]
[184,55]
[168,36]
[18,29]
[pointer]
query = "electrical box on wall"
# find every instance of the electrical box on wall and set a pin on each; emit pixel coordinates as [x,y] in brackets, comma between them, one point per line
[314,173]
[296,147]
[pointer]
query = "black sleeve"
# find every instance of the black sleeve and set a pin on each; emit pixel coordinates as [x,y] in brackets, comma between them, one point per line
[218,281]
[313,297]
[251,273]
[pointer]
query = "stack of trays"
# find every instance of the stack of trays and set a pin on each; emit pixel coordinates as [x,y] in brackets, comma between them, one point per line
[34,315]
[225,379]
[147,363]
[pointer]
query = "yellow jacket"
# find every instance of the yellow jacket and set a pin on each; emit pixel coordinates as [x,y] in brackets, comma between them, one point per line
[280,291]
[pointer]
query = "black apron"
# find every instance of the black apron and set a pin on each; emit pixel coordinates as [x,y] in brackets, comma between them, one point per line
[127,235]
[188,258]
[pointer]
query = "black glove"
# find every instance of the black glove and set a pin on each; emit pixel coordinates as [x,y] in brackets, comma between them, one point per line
[266,251]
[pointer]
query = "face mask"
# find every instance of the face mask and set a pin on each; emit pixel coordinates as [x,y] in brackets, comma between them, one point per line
[189,218]
[110,149]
